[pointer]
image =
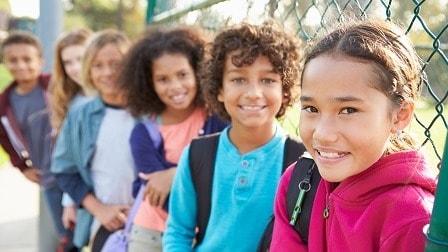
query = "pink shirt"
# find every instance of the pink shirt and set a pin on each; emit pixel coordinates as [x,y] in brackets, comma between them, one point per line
[175,138]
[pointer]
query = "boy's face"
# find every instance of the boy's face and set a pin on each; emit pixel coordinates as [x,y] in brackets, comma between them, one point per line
[252,95]
[23,62]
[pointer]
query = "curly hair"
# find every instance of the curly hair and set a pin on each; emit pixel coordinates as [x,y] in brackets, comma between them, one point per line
[62,88]
[250,42]
[136,75]
[396,63]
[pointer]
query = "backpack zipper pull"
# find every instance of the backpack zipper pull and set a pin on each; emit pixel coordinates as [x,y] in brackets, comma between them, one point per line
[304,187]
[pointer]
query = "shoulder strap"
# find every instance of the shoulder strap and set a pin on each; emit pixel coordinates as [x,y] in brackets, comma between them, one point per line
[202,164]
[153,131]
[304,177]
[293,149]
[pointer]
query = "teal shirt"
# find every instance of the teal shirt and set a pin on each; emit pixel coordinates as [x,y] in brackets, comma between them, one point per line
[243,193]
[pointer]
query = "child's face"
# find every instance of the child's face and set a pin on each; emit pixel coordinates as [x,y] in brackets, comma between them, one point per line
[174,81]
[252,95]
[345,122]
[23,62]
[104,70]
[71,59]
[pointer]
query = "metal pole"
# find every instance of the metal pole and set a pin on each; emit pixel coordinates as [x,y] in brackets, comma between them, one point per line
[437,232]
[49,26]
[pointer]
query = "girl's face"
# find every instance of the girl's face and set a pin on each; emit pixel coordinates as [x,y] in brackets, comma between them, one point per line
[252,95]
[345,122]
[23,62]
[103,73]
[71,57]
[174,81]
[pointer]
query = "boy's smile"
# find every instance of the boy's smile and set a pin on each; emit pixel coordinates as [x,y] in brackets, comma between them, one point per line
[252,94]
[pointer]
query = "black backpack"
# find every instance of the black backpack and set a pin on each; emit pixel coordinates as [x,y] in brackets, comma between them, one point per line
[202,162]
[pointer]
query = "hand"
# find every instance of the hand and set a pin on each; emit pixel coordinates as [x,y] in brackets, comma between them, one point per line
[112,217]
[33,174]
[158,186]
[69,217]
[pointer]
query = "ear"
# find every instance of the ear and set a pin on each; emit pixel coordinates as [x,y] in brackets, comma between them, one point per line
[403,116]
[220,96]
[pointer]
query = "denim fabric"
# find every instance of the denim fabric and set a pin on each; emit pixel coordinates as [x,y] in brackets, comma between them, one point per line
[53,197]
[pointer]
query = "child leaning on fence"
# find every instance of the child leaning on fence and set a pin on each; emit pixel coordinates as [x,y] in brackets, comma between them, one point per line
[250,78]
[160,77]
[358,92]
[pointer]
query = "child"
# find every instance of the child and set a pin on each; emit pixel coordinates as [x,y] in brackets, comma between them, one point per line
[358,92]
[250,79]
[66,90]
[161,80]
[25,130]
[92,160]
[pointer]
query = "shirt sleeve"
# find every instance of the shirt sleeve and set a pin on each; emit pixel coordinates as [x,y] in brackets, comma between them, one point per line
[284,236]
[147,158]
[181,223]
[64,164]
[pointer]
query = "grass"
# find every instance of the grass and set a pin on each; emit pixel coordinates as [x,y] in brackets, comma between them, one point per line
[5,78]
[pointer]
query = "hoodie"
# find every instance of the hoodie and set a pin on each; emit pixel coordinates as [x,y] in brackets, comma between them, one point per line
[383,208]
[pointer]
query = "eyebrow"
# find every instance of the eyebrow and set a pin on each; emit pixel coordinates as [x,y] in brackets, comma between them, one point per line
[341,99]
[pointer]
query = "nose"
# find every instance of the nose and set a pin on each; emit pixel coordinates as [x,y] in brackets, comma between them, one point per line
[325,130]
[253,90]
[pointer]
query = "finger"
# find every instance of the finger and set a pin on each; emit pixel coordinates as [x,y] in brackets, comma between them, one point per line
[144,176]
[162,200]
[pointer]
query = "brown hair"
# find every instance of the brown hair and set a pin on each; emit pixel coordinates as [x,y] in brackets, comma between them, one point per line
[21,37]
[62,88]
[391,53]
[137,70]
[251,41]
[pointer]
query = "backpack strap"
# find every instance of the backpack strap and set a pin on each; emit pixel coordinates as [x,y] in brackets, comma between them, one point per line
[153,131]
[300,194]
[202,165]
[294,148]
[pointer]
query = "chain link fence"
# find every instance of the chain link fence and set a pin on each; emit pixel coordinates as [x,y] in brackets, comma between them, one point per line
[424,21]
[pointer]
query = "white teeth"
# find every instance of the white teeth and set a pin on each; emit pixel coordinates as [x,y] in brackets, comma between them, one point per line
[252,108]
[178,97]
[330,154]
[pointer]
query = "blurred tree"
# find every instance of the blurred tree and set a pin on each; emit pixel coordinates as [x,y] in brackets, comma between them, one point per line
[124,15]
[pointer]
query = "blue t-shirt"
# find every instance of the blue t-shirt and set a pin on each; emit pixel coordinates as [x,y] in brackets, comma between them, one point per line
[32,115]
[243,194]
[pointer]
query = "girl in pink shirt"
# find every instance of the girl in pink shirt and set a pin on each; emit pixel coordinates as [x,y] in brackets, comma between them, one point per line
[358,92]
[160,76]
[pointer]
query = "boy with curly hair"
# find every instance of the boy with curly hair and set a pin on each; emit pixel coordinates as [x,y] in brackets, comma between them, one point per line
[249,78]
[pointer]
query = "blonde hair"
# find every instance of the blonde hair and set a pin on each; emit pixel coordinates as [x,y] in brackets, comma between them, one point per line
[95,43]
[62,88]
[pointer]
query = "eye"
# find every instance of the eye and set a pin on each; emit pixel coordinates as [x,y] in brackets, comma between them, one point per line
[237,80]
[347,111]
[183,75]
[309,109]
[268,81]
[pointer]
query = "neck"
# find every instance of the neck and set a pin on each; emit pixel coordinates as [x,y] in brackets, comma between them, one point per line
[248,139]
[25,87]
[173,116]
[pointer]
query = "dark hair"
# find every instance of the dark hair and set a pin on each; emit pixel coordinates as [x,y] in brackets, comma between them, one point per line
[395,62]
[136,75]
[21,37]
[251,41]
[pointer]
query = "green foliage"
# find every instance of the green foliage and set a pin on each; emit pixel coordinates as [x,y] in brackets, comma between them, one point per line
[5,78]
[124,15]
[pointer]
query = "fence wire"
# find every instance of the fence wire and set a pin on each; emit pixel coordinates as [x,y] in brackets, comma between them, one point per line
[425,23]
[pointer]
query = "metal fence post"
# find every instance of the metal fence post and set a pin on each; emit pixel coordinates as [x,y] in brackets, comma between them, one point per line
[437,231]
